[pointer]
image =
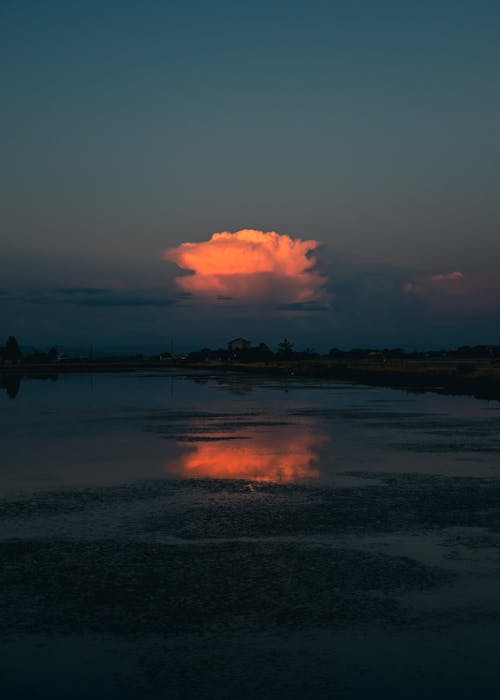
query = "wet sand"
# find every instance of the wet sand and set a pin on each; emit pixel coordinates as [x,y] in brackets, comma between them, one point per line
[386,586]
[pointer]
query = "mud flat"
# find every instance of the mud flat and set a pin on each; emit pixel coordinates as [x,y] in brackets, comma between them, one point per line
[223,589]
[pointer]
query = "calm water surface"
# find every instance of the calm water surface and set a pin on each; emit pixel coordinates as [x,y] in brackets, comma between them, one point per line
[84,430]
[247,538]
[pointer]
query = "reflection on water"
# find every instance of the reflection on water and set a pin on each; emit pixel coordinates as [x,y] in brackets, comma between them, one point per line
[11,384]
[113,428]
[11,381]
[287,456]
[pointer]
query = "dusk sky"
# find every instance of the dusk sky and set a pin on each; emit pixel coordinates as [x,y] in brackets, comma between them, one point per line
[346,152]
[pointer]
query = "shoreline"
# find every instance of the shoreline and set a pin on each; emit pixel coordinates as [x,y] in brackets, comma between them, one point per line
[477,378]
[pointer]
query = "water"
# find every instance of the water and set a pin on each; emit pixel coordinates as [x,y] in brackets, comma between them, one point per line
[84,430]
[225,536]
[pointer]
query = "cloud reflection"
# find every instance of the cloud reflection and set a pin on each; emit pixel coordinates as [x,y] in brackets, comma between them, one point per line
[292,455]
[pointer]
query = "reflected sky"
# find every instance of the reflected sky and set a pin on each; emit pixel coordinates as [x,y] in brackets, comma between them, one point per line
[290,455]
[114,428]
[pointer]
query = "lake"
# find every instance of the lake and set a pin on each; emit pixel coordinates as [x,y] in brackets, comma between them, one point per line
[221,535]
[108,428]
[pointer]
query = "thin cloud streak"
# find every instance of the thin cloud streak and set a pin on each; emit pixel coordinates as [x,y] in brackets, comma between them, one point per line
[92,298]
[447,276]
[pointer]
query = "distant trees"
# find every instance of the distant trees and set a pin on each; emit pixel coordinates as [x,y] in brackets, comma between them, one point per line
[208,354]
[255,353]
[259,353]
[309,354]
[12,352]
[264,352]
[285,349]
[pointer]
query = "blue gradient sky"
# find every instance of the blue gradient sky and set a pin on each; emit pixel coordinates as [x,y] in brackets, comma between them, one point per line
[130,127]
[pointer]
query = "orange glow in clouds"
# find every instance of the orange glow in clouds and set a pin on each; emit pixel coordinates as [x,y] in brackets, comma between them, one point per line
[260,457]
[447,276]
[250,264]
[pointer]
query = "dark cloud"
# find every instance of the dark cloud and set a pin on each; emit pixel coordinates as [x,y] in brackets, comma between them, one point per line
[121,301]
[80,290]
[306,306]
[94,297]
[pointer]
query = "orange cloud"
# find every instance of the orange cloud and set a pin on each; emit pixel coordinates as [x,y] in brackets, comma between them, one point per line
[250,264]
[444,276]
[425,287]
[415,288]
[288,457]
[455,291]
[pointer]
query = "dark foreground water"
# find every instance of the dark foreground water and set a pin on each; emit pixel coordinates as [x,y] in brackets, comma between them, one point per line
[232,537]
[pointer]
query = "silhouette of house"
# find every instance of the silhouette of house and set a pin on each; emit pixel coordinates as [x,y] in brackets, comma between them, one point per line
[239,344]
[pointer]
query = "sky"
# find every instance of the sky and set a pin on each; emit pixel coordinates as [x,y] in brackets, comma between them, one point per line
[356,143]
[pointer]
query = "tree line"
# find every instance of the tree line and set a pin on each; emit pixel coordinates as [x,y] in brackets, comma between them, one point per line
[11,354]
